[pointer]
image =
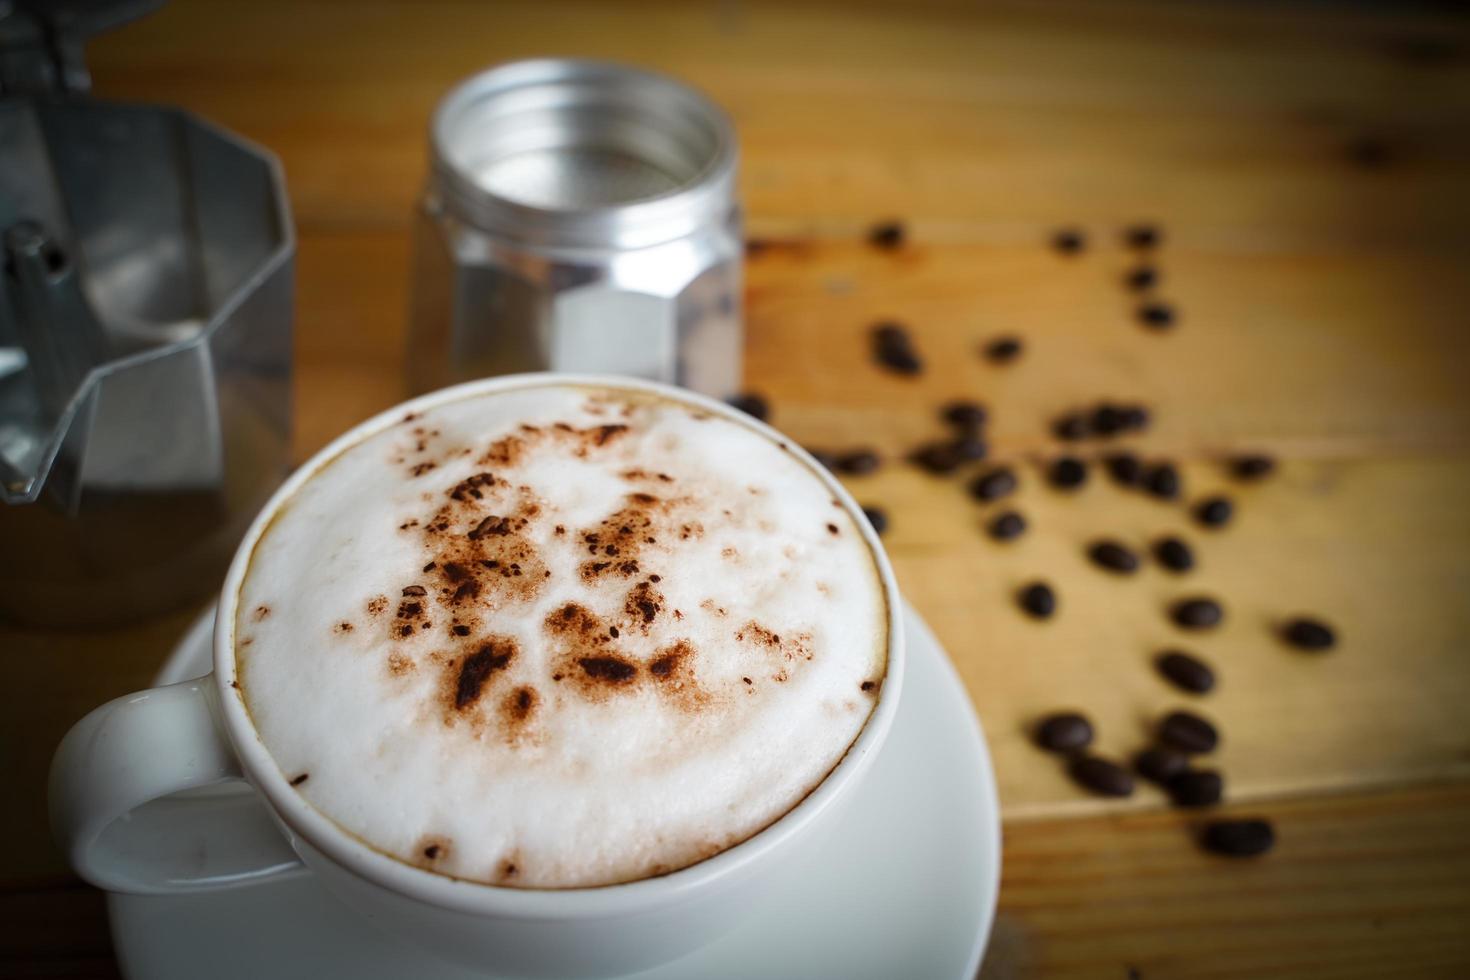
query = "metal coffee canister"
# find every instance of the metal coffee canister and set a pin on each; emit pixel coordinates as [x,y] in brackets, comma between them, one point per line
[579,216]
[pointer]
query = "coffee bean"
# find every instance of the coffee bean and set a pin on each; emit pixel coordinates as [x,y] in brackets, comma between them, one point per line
[1196,788]
[966,415]
[1124,468]
[1101,776]
[1159,764]
[893,349]
[938,458]
[1069,241]
[971,448]
[1107,419]
[1238,838]
[1197,614]
[1309,634]
[887,235]
[1214,511]
[827,459]
[1162,480]
[1186,672]
[1003,350]
[1142,236]
[1141,278]
[1156,316]
[751,404]
[1065,731]
[1039,600]
[877,517]
[1114,557]
[1253,467]
[1071,427]
[1067,473]
[1188,732]
[1174,554]
[1135,418]
[1007,526]
[993,485]
[858,462]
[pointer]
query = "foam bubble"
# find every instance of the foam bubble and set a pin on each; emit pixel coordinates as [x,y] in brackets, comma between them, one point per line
[560,637]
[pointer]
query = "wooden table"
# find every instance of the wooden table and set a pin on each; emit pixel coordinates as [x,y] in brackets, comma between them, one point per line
[1309,172]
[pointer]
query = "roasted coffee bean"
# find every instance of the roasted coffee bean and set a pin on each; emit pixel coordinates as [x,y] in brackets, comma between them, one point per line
[1186,672]
[857,462]
[1160,764]
[993,485]
[1214,511]
[1071,427]
[1107,420]
[938,458]
[1238,838]
[1309,634]
[966,415]
[1113,556]
[1124,468]
[1069,241]
[877,517]
[1162,480]
[1038,600]
[1003,350]
[1252,467]
[1197,614]
[1142,236]
[1196,787]
[1156,316]
[1174,554]
[1006,526]
[1065,731]
[827,459]
[1135,418]
[752,404]
[887,235]
[971,448]
[1067,473]
[1141,277]
[1188,732]
[893,348]
[1101,776]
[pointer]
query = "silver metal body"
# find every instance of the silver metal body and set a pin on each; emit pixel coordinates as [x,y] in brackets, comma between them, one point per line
[145,353]
[579,216]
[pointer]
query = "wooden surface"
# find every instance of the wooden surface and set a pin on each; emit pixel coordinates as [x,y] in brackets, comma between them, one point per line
[1309,170]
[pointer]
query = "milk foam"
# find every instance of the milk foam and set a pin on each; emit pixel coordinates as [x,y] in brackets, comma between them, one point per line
[560,637]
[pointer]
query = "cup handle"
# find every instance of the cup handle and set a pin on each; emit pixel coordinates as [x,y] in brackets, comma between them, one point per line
[114,812]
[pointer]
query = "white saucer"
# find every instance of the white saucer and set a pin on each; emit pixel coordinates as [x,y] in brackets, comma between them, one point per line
[903,886]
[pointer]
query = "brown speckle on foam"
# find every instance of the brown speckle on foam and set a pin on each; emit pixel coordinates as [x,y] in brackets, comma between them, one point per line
[868,686]
[299,779]
[261,612]
[419,469]
[471,673]
[509,868]
[431,850]
[400,664]
[643,604]
[342,627]
[377,605]
[832,529]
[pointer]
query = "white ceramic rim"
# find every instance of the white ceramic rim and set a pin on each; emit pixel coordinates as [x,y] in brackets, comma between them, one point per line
[325,836]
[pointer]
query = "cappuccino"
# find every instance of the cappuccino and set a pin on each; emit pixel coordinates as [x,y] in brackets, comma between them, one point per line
[560,636]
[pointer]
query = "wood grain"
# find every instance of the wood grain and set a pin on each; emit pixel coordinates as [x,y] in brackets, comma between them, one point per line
[1308,169]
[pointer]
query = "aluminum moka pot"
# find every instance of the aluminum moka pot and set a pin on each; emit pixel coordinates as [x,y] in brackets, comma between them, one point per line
[145,334]
[579,216]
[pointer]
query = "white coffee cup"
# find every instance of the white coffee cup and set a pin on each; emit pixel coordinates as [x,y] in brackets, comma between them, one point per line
[120,809]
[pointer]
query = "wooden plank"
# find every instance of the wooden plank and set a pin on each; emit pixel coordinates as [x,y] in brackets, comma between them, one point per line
[978,122]
[1359,886]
